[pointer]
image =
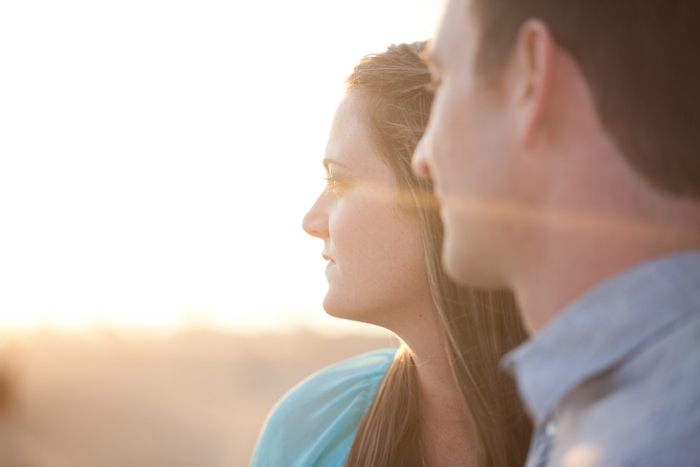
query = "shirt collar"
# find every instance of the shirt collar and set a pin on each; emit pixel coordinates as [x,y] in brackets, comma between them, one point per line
[601,327]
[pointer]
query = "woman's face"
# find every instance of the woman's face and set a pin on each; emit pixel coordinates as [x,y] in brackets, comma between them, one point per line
[373,244]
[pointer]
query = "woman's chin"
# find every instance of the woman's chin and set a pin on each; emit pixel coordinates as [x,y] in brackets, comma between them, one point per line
[335,307]
[340,310]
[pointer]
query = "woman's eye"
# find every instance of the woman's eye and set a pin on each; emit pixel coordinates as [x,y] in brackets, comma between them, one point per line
[332,184]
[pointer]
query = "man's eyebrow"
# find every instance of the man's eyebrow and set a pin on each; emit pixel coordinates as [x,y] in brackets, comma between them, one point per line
[326,162]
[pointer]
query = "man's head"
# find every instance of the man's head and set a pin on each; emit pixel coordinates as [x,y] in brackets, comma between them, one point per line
[537,102]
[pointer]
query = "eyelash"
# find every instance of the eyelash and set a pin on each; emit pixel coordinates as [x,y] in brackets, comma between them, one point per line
[331,183]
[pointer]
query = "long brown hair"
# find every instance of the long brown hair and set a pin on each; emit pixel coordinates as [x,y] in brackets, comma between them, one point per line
[478,326]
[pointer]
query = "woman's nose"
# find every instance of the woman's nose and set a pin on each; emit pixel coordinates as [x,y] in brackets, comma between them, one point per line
[315,222]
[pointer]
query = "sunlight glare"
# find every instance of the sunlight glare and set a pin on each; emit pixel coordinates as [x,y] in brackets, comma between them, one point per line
[157,156]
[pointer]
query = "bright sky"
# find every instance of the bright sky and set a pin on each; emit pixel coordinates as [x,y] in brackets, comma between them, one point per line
[157,156]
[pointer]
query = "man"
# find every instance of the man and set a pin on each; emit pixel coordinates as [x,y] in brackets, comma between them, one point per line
[564,144]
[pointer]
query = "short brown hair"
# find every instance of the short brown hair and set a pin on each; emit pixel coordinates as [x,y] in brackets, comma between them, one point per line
[641,61]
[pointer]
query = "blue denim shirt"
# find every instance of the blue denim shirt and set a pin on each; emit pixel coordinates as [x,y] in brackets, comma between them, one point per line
[614,380]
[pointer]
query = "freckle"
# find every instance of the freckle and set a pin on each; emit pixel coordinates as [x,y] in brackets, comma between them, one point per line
[394,258]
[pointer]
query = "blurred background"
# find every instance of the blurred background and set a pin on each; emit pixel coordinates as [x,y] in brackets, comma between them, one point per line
[157,292]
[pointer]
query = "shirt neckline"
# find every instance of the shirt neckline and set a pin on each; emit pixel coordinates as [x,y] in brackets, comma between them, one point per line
[600,328]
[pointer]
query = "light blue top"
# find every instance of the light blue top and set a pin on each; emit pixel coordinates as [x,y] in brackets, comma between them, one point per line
[614,380]
[315,423]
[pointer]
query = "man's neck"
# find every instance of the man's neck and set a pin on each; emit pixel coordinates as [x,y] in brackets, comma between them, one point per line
[571,261]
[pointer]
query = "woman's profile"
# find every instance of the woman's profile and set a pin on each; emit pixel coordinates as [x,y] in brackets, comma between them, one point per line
[441,399]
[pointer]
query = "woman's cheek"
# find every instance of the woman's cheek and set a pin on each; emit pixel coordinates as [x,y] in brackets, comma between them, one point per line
[357,235]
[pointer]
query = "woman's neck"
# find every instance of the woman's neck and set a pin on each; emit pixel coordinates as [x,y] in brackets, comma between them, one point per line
[447,434]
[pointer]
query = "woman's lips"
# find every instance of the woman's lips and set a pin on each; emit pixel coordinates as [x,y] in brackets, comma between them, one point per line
[331,263]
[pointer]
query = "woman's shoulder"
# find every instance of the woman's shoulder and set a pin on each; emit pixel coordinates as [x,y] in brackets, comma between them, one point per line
[315,422]
[357,377]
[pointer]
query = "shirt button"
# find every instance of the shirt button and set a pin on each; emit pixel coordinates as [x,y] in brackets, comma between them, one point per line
[551,429]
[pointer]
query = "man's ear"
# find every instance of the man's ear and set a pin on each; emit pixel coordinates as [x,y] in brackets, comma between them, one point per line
[531,79]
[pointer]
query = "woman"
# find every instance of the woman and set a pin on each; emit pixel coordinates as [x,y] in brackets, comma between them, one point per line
[440,400]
